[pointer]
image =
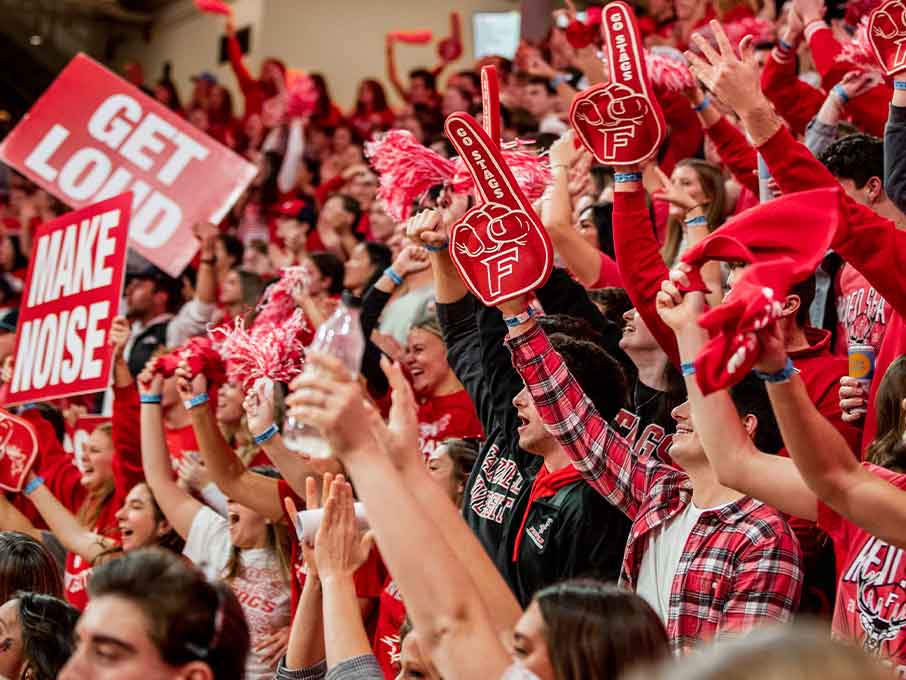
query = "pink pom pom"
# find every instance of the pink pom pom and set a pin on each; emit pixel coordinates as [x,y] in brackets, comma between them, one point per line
[761,31]
[667,74]
[407,170]
[858,51]
[302,94]
[277,303]
[856,10]
[273,351]
[531,171]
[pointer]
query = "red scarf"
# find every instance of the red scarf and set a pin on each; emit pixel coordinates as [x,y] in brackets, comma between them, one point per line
[546,484]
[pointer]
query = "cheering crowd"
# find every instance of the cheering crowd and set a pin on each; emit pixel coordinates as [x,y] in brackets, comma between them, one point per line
[326,457]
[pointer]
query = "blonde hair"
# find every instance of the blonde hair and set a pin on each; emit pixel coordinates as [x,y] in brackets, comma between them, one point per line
[91,508]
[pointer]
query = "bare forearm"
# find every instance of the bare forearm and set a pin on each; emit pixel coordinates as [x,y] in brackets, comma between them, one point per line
[293,467]
[306,638]
[344,632]
[64,525]
[206,290]
[13,520]
[760,122]
[448,286]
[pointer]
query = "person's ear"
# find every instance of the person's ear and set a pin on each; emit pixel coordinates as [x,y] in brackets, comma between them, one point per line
[196,670]
[791,305]
[874,189]
[163,528]
[750,422]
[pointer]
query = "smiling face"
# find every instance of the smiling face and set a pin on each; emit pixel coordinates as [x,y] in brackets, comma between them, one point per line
[443,472]
[248,529]
[686,178]
[358,269]
[426,359]
[97,460]
[138,524]
[686,446]
[231,289]
[636,336]
[229,404]
[533,436]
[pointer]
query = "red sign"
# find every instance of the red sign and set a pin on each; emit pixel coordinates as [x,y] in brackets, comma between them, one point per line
[620,122]
[92,136]
[77,435]
[499,246]
[887,36]
[75,281]
[18,450]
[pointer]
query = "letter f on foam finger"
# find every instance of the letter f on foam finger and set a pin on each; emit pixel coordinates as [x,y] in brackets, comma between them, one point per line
[499,247]
[620,122]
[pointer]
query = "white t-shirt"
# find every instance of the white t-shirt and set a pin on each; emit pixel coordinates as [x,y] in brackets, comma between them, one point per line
[259,586]
[662,558]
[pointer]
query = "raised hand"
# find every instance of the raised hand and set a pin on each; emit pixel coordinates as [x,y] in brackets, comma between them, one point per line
[187,384]
[857,83]
[672,193]
[149,380]
[119,336]
[679,310]
[735,80]
[410,260]
[427,228]
[853,399]
[259,406]
[340,549]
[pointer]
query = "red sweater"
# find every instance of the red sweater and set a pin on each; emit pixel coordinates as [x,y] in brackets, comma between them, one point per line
[735,152]
[794,99]
[869,242]
[868,112]
[686,135]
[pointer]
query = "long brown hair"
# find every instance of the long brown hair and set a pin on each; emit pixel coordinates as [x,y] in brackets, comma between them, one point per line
[171,540]
[596,631]
[91,509]
[888,448]
[712,181]
[26,565]
[277,541]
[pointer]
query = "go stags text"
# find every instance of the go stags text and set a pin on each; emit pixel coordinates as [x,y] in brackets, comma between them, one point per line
[92,136]
[75,281]
[499,247]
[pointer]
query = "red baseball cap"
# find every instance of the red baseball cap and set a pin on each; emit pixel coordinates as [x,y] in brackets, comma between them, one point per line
[291,207]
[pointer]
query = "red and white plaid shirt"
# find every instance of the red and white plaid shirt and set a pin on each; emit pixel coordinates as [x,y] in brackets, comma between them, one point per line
[741,563]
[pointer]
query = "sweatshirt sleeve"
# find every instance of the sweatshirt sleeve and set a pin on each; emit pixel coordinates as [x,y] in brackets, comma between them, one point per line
[735,152]
[127,452]
[825,50]
[372,305]
[795,100]
[234,50]
[895,156]
[641,265]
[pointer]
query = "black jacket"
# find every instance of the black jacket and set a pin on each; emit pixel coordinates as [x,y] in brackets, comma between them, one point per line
[145,344]
[576,532]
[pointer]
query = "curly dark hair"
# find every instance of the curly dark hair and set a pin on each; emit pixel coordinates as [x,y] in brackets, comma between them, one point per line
[47,633]
[858,157]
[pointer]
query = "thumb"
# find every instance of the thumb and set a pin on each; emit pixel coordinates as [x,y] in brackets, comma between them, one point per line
[367,543]
[747,49]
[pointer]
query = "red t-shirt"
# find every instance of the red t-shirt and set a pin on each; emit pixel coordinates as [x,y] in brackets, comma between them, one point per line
[862,313]
[391,615]
[871,591]
[440,418]
[369,579]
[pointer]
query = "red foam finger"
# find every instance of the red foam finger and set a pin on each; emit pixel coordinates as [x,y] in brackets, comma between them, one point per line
[490,102]
[18,450]
[620,122]
[499,247]
[887,36]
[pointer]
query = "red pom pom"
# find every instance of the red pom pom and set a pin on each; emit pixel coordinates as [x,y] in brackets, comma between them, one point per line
[858,51]
[407,170]
[200,355]
[214,7]
[667,72]
[579,35]
[302,95]
[272,351]
[856,10]
[531,172]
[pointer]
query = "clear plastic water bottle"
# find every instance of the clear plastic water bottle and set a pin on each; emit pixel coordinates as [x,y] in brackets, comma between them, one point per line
[341,337]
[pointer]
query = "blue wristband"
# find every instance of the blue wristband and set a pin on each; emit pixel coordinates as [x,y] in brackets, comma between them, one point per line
[779,377]
[436,249]
[150,399]
[197,400]
[696,221]
[32,485]
[688,368]
[784,45]
[620,177]
[698,108]
[519,319]
[899,84]
[393,276]
[267,435]
[840,92]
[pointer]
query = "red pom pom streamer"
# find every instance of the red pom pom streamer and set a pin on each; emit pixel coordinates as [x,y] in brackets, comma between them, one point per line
[858,51]
[200,355]
[407,170]
[271,351]
[277,303]
[302,95]
[668,74]
[531,171]
[856,10]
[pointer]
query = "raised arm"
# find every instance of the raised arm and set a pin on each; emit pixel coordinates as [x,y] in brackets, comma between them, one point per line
[13,520]
[895,147]
[255,491]
[234,51]
[440,596]
[292,156]
[725,437]
[175,502]
[66,527]
[392,72]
